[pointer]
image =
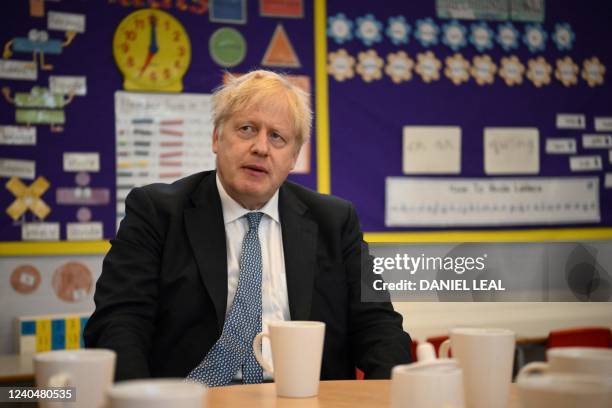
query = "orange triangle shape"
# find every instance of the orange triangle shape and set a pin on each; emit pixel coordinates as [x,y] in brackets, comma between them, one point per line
[280,52]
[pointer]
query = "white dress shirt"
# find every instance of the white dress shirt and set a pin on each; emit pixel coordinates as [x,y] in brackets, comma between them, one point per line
[274,298]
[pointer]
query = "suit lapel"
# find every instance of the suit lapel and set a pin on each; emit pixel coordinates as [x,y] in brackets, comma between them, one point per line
[206,232]
[299,245]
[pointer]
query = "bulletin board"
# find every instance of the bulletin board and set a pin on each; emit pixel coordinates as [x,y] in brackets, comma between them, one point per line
[458,68]
[59,132]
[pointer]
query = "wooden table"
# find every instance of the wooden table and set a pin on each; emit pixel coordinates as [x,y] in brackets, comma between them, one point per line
[16,368]
[337,394]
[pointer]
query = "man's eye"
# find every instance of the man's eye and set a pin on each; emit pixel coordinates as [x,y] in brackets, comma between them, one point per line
[277,140]
[247,129]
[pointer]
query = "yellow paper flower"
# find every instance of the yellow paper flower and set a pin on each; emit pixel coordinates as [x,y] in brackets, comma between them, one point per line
[512,70]
[567,71]
[483,69]
[399,67]
[539,71]
[428,66]
[593,71]
[457,69]
[369,65]
[340,65]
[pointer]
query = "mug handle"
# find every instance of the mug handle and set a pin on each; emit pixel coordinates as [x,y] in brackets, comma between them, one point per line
[444,349]
[533,367]
[257,350]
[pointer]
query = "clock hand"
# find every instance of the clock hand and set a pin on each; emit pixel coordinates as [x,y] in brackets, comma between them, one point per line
[153,48]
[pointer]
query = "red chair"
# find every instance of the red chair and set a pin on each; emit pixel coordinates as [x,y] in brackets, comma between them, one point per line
[580,337]
[360,375]
[436,342]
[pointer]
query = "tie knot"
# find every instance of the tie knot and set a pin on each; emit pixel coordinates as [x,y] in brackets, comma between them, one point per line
[254,218]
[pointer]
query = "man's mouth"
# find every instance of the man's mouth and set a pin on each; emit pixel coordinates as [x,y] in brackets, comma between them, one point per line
[256,168]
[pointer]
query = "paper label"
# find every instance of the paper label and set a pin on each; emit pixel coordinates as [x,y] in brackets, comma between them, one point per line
[13,69]
[511,150]
[40,231]
[432,150]
[437,202]
[24,169]
[593,141]
[18,135]
[84,231]
[65,21]
[603,124]
[560,146]
[571,121]
[585,163]
[608,180]
[82,162]
[64,85]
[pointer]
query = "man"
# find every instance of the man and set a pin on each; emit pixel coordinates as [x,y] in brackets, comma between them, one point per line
[199,266]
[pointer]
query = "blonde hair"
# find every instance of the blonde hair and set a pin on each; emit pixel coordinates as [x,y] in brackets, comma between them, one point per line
[240,92]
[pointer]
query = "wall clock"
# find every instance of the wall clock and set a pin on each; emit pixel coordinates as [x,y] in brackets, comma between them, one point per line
[152,50]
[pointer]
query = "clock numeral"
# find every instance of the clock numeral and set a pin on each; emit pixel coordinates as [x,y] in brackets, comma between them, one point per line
[177,64]
[181,51]
[153,76]
[139,23]
[130,61]
[124,47]
[177,36]
[130,35]
[167,24]
[167,73]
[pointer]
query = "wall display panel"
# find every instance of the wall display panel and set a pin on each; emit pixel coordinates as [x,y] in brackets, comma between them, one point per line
[471,104]
[66,64]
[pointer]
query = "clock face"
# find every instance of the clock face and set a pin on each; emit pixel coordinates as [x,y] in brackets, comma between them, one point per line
[152,50]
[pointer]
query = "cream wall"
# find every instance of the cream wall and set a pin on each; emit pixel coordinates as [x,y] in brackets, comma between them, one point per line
[527,319]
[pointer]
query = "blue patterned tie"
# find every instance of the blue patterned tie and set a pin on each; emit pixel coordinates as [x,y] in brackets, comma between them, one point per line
[234,349]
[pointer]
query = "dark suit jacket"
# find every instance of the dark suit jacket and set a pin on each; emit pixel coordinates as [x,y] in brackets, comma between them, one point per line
[161,298]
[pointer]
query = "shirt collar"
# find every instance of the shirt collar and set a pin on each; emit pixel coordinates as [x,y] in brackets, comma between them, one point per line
[233,211]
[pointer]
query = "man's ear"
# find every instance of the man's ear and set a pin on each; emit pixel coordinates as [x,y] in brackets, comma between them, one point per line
[295,157]
[215,141]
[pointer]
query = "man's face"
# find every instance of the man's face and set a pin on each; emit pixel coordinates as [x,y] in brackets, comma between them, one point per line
[256,150]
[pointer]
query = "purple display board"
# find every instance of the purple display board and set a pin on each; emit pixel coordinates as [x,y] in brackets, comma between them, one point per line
[367,117]
[90,121]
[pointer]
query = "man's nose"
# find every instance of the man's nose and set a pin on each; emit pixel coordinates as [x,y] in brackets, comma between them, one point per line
[260,143]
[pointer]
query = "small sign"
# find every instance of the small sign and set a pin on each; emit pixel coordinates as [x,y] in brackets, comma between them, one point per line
[603,124]
[82,162]
[84,231]
[560,146]
[595,141]
[18,135]
[14,69]
[280,52]
[65,85]
[571,121]
[585,163]
[66,21]
[24,169]
[40,231]
[608,180]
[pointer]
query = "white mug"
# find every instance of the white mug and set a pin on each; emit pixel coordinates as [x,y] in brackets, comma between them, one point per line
[486,357]
[564,390]
[428,382]
[585,360]
[157,393]
[297,350]
[89,371]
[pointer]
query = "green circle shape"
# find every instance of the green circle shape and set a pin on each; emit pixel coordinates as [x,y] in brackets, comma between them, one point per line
[227,47]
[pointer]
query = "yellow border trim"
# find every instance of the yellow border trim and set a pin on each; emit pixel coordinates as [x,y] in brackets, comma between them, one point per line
[54,248]
[539,235]
[321,98]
